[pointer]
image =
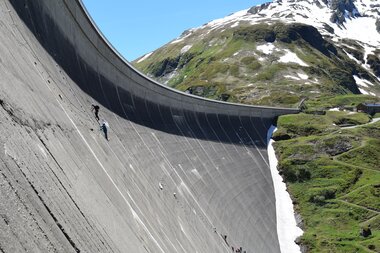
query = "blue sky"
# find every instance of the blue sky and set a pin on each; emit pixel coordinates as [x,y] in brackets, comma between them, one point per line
[137,27]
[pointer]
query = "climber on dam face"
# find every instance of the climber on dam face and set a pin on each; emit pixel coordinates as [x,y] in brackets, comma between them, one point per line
[103,126]
[95,108]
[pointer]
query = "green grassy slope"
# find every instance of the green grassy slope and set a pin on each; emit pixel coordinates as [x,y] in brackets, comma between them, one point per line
[333,176]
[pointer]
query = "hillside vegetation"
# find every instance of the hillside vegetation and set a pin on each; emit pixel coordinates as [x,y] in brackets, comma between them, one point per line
[277,65]
[333,176]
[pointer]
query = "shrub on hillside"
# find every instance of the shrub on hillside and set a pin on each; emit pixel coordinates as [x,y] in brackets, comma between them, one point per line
[321,195]
[294,170]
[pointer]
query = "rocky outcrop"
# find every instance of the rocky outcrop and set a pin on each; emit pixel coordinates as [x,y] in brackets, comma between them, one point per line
[286,33]
[168,65]
[374,62]
[257,9]
[343,9]
[328,28]
[335,145]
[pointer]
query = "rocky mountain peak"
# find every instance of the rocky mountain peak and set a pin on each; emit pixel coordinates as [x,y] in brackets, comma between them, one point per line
[339,10]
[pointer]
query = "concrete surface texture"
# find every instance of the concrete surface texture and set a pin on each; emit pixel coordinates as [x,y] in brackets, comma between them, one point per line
[177,174]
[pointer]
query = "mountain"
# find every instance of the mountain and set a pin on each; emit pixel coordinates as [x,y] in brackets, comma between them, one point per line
[277,53]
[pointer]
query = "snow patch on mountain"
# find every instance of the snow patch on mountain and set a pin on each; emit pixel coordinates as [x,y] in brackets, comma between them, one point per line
[232,18]
[367,50]
[183,36]
[362,29]
[261,59]
[185,49]
[362,82]
[292,77]
[177,40]
[303,76]
[287,57]
[144,57]
[235,25]
[266,48]
[291,57]
[299,77]
[352,57]
[362,91]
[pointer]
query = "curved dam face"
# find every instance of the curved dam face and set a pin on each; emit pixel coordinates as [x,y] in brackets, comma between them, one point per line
[178,174]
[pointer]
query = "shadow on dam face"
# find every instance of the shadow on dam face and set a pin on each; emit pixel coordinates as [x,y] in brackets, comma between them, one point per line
[87,195]
[132,98]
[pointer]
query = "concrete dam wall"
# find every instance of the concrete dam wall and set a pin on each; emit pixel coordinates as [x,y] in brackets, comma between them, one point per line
[178,173]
